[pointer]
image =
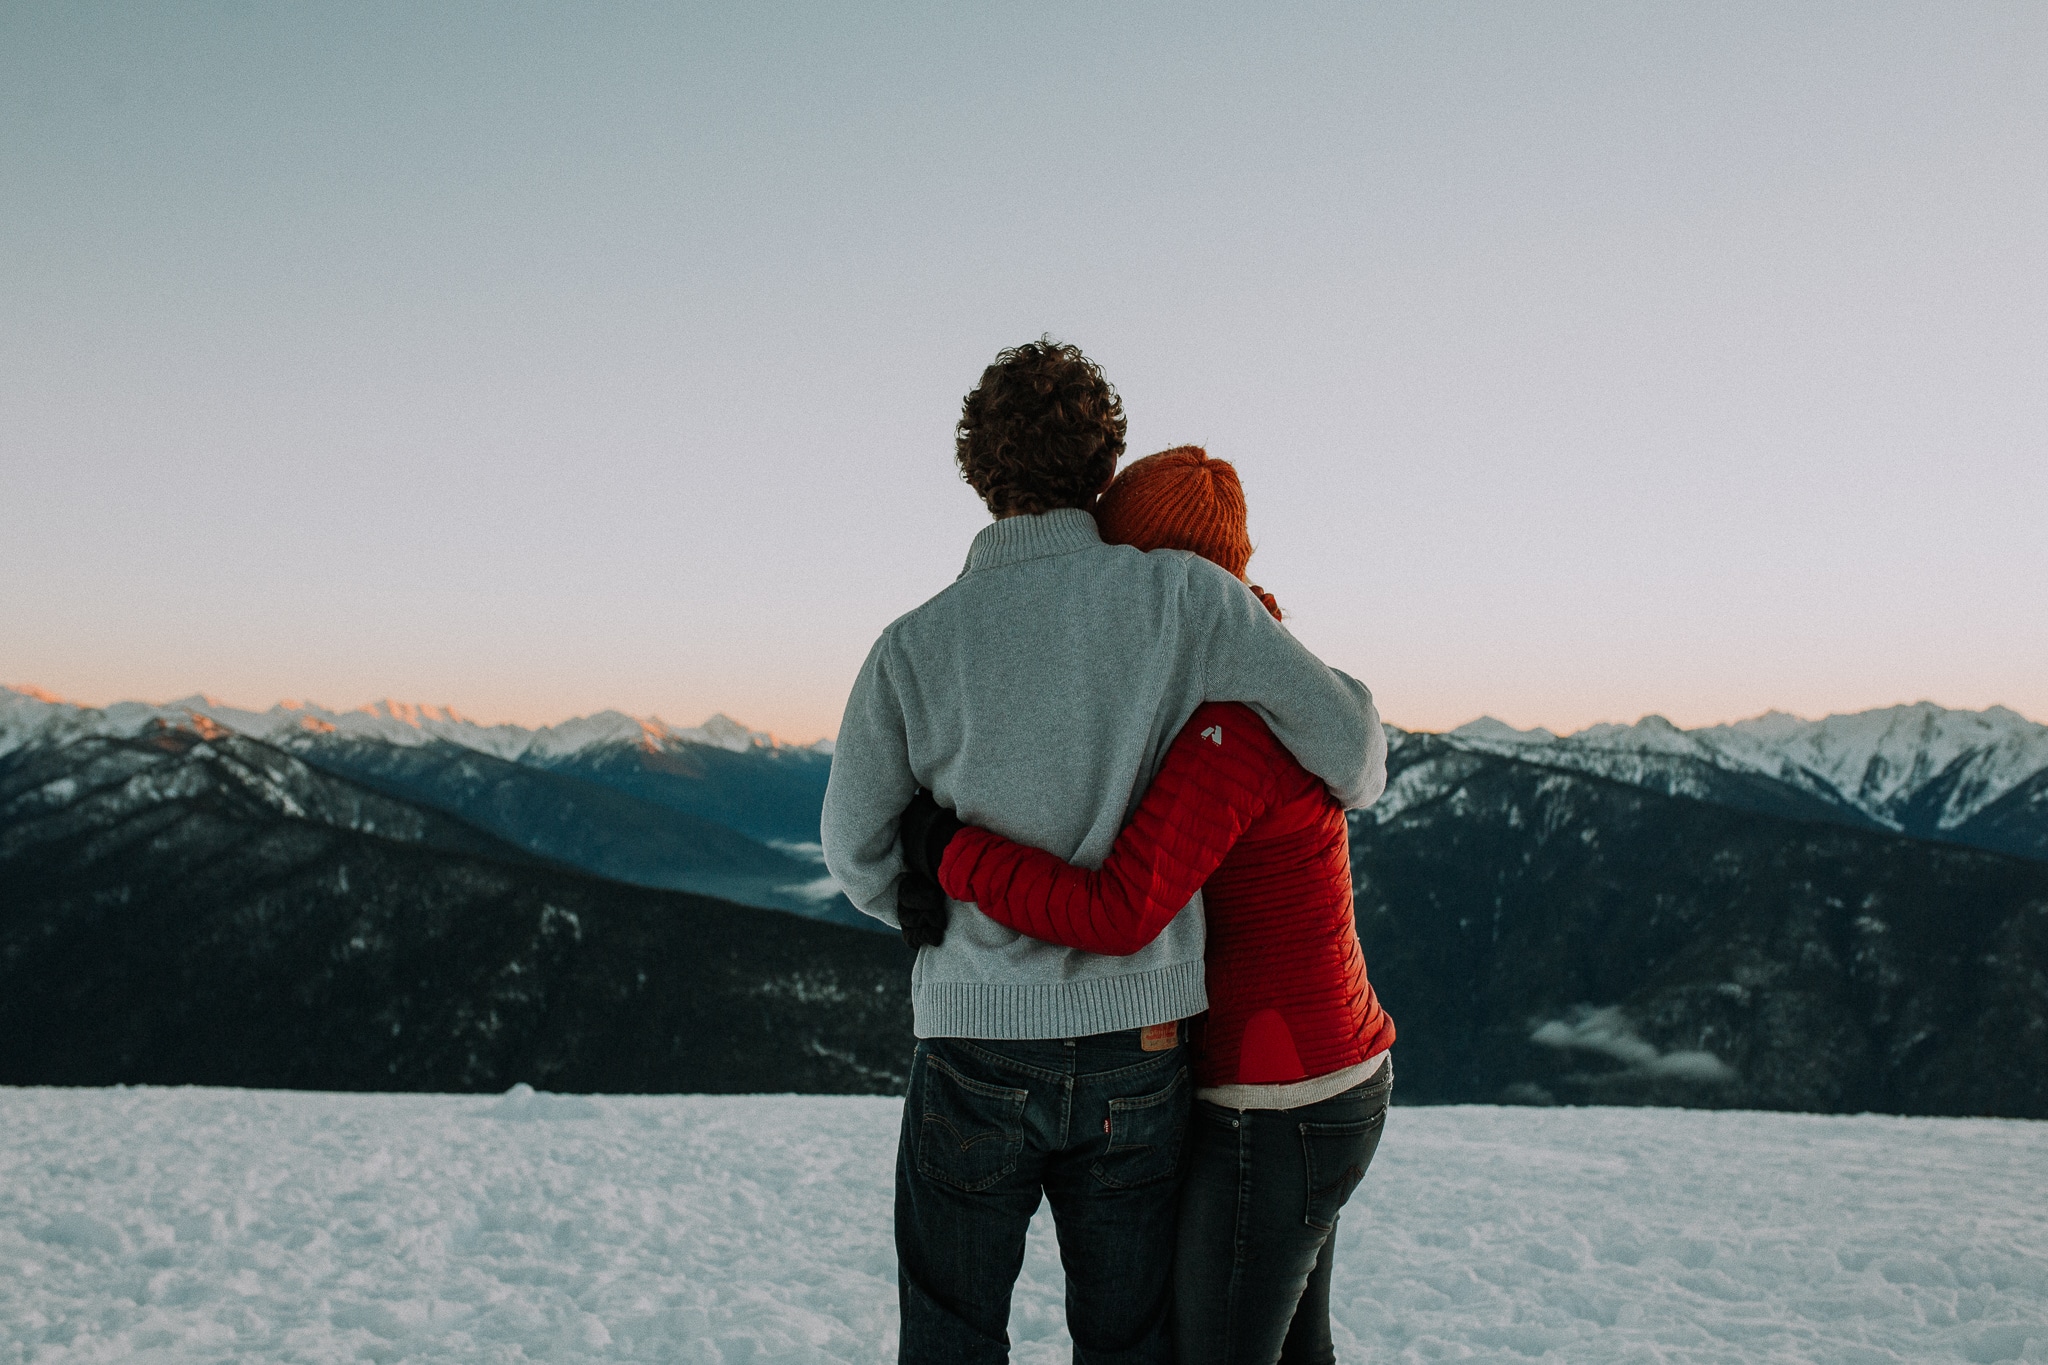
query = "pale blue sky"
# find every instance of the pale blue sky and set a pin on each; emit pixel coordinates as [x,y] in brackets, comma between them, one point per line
[1580,361]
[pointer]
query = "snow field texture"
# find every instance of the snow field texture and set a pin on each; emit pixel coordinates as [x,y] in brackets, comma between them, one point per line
[219,1225]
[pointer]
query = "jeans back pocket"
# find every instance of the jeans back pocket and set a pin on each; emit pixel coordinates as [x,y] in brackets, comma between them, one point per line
[1145,1135]
[969,1133]
[1334,1156]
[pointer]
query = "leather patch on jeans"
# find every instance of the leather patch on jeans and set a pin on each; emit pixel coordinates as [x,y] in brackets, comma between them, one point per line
[1159,1037]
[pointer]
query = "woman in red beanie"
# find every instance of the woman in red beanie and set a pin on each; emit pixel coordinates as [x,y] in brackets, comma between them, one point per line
[1292,1070]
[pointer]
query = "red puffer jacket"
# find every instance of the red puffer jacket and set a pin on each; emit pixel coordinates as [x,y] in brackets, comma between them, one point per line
[1232,813]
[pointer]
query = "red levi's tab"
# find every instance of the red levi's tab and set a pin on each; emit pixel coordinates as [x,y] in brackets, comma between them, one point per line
[1231,814]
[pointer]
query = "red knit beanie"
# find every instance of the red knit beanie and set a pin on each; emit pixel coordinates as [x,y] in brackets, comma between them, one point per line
[1180,499]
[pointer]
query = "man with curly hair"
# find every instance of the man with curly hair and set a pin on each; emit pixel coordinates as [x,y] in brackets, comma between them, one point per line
[1036,697]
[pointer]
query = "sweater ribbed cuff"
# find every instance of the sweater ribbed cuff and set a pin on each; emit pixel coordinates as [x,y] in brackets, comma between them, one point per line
[1065,1009]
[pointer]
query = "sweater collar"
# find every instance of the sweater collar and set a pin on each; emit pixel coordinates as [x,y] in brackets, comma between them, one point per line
[1016,539]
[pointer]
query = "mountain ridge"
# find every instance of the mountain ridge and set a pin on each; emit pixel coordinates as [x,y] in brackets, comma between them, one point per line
[718,811]
[723,810]
[1978,778]
[2012,746]
[28,712]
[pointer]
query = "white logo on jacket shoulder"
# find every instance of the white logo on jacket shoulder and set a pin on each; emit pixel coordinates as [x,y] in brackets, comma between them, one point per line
[1214,734]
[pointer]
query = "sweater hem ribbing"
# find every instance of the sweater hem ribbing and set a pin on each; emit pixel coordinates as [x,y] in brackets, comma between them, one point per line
[1015,1011]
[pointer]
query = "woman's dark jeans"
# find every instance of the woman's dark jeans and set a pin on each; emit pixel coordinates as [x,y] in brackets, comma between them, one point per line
[1096,1124]
[1258,1224]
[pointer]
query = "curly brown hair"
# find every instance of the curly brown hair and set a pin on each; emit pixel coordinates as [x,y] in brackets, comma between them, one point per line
[1043,429]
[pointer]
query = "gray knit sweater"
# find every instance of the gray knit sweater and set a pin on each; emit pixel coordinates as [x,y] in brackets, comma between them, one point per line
[1036,697]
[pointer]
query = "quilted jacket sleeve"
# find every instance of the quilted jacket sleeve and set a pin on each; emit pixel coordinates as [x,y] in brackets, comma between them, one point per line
[1219,775]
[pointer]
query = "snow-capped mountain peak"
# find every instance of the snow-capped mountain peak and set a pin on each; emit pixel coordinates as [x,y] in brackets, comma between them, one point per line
[404,712]
[1489,730]
[1881,759]
[1922,764]
[724,730]
[1651,734]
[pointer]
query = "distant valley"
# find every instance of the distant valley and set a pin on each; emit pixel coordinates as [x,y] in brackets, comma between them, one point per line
[1842,914]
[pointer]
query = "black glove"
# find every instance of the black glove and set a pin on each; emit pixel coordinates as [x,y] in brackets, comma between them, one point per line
[921,911]
[926,827]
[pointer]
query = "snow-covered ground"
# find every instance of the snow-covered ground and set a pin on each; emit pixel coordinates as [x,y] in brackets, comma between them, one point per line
[215,1225]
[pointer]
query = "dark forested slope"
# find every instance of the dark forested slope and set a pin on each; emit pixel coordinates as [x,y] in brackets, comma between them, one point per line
[1544,935]
[186,907]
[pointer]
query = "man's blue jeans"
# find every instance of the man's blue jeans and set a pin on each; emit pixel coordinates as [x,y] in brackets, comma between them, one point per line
[1096,1125]
[1258,1224]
